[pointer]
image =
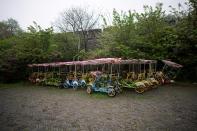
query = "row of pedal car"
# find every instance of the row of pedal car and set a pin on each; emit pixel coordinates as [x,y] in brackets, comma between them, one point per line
[96,81]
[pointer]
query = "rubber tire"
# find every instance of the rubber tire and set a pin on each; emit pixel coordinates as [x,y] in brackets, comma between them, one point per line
[140,89]
[112,93]
[65,86]
[83,85]
[75,86]
[89,89]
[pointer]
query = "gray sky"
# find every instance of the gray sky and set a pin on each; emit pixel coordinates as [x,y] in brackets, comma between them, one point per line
[45,12]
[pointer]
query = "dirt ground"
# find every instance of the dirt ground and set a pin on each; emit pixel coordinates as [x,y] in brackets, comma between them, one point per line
[35,108]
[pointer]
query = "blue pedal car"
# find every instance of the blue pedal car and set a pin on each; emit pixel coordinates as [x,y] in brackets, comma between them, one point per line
[99,85]
[73,82]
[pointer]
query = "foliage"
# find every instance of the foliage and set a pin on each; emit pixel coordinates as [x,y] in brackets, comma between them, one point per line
[35,46]
[9,28]
[152,34]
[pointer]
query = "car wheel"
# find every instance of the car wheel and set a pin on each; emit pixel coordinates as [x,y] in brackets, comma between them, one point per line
[65,85]
[140,89]
[75,86]
[89,89]
[112,93]
[83,85]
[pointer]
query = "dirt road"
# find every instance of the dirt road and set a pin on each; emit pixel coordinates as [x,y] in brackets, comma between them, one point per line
[27,107]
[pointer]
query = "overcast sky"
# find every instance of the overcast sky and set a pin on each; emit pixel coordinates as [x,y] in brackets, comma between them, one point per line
[44,12]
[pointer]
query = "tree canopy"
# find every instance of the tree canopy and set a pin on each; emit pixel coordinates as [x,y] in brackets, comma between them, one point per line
[152,34]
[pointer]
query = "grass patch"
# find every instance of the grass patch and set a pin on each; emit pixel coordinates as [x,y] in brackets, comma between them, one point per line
[16,85]
[98,95]
[94,95]
[12,85]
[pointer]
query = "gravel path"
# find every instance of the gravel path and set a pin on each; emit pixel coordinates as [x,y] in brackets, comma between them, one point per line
[27,107]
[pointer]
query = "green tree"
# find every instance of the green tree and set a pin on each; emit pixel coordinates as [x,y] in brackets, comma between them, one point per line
[9,28]
[66,45]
